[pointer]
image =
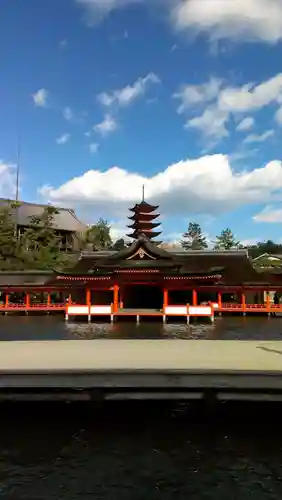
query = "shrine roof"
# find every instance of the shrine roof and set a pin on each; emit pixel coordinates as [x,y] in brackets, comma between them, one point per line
[27,277]
[236,266]
[230,267]
[64,220]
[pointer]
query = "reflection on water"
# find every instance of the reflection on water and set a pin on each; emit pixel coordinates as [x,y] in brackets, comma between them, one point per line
[55,328]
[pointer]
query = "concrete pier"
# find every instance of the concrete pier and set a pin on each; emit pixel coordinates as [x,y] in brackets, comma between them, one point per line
[133,369]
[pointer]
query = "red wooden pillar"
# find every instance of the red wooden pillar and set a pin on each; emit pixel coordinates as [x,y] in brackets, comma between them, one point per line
[165,300]
[48,299]
[27,300]
[219,300]
[195,297]
[69,301]
[243,302]
[116,290]
[88,297]
[268,303]
[7,300]
[121,298]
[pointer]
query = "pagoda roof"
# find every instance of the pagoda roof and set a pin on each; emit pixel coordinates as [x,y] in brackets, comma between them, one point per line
[144,217]
[149,234]
[144,225]
[144,207]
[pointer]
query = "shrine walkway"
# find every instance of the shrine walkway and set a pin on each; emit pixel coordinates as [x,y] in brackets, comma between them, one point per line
[141,369]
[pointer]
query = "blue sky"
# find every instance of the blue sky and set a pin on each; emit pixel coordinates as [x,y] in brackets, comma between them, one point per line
[184,96]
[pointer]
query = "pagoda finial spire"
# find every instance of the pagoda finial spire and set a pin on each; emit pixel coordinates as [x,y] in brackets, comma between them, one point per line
[143,217]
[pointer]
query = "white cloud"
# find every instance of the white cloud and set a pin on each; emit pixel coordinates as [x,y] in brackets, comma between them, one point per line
[207,185]
[259,138]
[269,214]
[248,97]
[107,126]
[240,20]
[250,242]
[68,113]
[97,10]
[93,147]
[278,116]
[126,95]
[191,95]
[63,139]
[242,154]
[219,103]
[119,230]
[212,123]
[40,98]
[172,240]
[245,124]
[7,180]
[251,96]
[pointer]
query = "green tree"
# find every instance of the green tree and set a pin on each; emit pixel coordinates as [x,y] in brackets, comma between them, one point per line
[194,239]
[262,247]
[226,240]
[119,244]
[11,256]
[98,235]
[40,242]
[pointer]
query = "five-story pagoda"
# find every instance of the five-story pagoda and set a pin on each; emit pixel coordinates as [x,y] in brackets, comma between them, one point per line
[143,217]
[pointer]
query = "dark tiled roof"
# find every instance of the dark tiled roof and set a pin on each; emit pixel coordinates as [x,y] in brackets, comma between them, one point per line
[145,243]
[21,278]
[234,266]
[98,254]
[237,267]
[65,220]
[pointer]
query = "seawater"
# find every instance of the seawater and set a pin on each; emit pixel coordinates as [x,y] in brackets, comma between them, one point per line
[136,451]
[55,328]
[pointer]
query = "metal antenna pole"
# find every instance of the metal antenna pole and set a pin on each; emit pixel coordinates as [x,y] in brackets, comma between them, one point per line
[18,169]
[17,185]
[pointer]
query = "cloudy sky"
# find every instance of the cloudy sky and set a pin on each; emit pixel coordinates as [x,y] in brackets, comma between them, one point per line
[184,96]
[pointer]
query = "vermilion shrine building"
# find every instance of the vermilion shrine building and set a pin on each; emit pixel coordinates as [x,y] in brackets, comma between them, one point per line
[145,279]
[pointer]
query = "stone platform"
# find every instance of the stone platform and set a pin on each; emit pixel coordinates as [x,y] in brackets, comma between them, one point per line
[140,369]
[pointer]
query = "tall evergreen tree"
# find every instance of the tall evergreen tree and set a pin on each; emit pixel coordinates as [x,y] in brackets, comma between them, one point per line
[10,251]
[226,240]
[194,239]
[98,235]
[41,242]
[262,247]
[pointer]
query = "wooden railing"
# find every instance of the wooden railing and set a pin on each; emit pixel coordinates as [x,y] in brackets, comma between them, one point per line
[224,307]
[37,306]
[231,306]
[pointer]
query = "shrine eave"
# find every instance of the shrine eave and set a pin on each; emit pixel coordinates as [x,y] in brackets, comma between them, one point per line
[84,278]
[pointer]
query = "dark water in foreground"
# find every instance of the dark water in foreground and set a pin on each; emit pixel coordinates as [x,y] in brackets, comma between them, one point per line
[138,450]
[55,328]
